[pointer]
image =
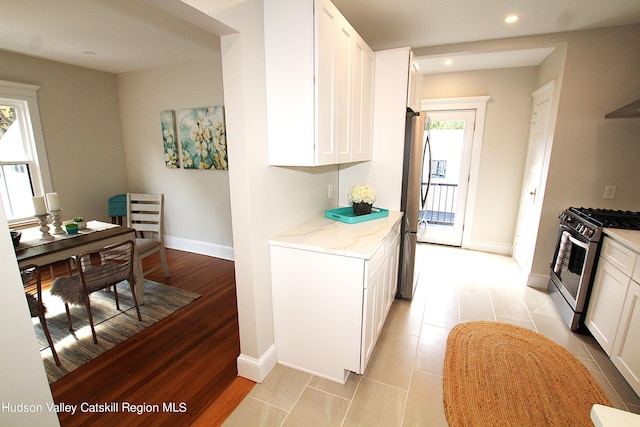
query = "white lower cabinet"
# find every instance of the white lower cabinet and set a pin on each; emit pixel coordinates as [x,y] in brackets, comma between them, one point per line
[607,299]
[613,313]
[328,309]
[379,293]
[626,348]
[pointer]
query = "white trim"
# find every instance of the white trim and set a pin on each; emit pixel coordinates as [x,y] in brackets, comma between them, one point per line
[491,247]
[545,91]
[199,247]
[258,369]
[538,281]
[18,90]
[479,103]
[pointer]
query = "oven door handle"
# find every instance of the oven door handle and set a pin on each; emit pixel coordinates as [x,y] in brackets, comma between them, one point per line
[575,241]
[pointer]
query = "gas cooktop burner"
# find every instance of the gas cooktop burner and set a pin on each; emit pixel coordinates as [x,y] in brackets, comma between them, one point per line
[610,218]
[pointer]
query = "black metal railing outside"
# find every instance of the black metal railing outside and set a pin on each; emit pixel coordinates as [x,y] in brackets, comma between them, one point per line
[440,204]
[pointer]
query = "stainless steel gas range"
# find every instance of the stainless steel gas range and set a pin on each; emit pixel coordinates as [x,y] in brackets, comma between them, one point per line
[576,255]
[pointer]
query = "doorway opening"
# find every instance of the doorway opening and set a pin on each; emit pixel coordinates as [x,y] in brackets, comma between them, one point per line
[450,137]
[471,111]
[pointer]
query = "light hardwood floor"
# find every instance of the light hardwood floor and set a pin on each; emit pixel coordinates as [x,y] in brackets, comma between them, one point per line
[189,358]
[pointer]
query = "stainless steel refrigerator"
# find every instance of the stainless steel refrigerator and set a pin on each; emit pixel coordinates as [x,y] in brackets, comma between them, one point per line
[416,153]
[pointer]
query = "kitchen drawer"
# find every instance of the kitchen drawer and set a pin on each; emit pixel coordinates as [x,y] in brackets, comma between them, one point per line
[621,257]
[395,231]
[375,262]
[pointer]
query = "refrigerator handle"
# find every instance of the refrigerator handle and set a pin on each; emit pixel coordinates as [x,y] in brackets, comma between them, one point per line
[424,192]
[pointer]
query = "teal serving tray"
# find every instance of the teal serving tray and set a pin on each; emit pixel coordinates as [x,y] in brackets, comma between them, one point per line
[346,214]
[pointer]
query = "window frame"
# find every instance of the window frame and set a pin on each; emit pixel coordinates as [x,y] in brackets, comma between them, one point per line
[26,97]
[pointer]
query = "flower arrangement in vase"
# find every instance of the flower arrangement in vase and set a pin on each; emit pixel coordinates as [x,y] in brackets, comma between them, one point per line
[362,197]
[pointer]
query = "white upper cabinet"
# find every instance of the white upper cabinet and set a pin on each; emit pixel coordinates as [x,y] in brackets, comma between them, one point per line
[414,90]
[319,75]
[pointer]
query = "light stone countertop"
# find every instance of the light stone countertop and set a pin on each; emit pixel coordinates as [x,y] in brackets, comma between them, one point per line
[326,235]
[629,238]
[604,416]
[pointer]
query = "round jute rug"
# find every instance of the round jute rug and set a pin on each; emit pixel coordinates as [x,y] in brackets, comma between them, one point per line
[497,374]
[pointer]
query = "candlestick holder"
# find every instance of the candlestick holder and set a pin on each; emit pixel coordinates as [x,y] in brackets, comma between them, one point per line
[57,221]
[44,227]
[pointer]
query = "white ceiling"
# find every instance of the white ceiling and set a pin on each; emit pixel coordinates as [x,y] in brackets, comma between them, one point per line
[128,35]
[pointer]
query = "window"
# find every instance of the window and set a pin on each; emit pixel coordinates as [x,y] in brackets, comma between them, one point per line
[23,166]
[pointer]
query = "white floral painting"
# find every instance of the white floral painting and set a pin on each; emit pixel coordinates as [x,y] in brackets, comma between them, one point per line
[203,138]
[168,123]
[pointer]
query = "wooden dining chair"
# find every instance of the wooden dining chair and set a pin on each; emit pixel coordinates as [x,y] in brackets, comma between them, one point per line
[32,284]
[98,270]
[145,215]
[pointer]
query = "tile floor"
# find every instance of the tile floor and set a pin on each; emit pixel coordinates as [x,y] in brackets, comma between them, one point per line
[402,385]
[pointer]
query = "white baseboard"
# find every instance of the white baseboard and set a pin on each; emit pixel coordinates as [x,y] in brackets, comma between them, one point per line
[258,369]
[203,248]
[538,281]
[491,247]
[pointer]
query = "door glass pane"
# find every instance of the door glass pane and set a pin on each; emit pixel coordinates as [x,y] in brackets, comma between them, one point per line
[447,144]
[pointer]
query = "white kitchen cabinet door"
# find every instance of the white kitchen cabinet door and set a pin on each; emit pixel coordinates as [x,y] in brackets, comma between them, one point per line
[366,132]
[333,56]
[369,319]
[392,271]
[626,349]
[605,305]
[414,91]
[361,106]
[309,49]
[326,150]
[344,36]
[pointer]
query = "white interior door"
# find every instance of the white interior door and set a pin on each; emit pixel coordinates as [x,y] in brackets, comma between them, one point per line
[534,180]
[451,138]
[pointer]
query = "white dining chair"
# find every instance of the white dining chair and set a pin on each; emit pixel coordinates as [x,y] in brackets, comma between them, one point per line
[145,215]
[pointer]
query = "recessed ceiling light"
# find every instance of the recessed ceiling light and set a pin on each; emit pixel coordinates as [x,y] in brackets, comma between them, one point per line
[448,62]
[89,52]
[511,19]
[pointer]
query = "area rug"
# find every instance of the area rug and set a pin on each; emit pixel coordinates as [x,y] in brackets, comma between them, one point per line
[497,374]
[113,326]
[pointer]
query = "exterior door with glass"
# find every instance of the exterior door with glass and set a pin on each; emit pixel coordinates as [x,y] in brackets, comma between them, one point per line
[451,139]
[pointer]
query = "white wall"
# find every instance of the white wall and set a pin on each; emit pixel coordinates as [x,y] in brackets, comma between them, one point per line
[598,74]
[265,200]
[24,380]
[384,171]
[197,202]
[81,126]
[504,146]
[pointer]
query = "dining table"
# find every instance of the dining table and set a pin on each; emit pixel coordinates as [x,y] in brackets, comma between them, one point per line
[32,249]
